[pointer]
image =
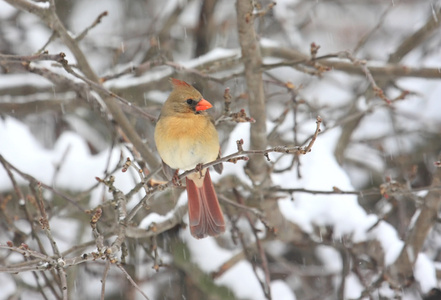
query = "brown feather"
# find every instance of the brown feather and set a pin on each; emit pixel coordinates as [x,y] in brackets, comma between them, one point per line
[177,82]
[205,214]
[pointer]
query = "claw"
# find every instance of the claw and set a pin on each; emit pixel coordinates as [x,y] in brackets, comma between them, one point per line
[199,169]
[176,181]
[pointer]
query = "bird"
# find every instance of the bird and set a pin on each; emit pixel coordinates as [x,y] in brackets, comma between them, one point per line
[186,138]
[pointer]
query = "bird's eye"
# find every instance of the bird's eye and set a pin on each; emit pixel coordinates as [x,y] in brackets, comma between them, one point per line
[190,101]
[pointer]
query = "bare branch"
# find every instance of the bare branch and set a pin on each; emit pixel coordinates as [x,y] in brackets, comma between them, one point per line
[37,57]
[417,38]
[401,271]
[388,71]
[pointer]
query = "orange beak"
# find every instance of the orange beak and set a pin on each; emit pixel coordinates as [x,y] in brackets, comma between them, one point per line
[203,105]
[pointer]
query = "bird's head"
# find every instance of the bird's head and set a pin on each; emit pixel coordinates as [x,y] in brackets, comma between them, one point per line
[184,99]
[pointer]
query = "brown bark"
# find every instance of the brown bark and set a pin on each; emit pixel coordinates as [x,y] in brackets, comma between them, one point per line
[252,61]
[401,271]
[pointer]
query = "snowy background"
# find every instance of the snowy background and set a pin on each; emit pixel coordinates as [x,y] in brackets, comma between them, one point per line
[334,222]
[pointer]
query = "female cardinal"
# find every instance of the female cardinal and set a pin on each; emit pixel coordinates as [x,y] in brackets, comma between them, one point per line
[185,137]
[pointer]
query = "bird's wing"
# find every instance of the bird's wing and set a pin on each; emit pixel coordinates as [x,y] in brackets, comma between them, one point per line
[219,167]
[168,171]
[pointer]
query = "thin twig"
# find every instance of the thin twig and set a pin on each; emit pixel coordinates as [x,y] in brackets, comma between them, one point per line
[103,280]
[266,285]
[380,22]
[44,221]
[121,201]
[363,65]
[252,210]
[129,278]
[86,30]
[314,137]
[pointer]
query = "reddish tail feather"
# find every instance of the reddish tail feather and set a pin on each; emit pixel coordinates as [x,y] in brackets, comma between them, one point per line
[204,212]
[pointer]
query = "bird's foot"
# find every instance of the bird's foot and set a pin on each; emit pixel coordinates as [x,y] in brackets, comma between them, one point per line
[176,181]
[199,169]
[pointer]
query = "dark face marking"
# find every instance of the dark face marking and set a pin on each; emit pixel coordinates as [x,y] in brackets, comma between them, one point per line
[192,104]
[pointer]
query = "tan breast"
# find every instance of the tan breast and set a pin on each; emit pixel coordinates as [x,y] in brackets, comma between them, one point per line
[183,142]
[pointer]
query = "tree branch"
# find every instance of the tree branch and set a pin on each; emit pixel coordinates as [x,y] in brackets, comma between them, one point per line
[401,271]
[252,60]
